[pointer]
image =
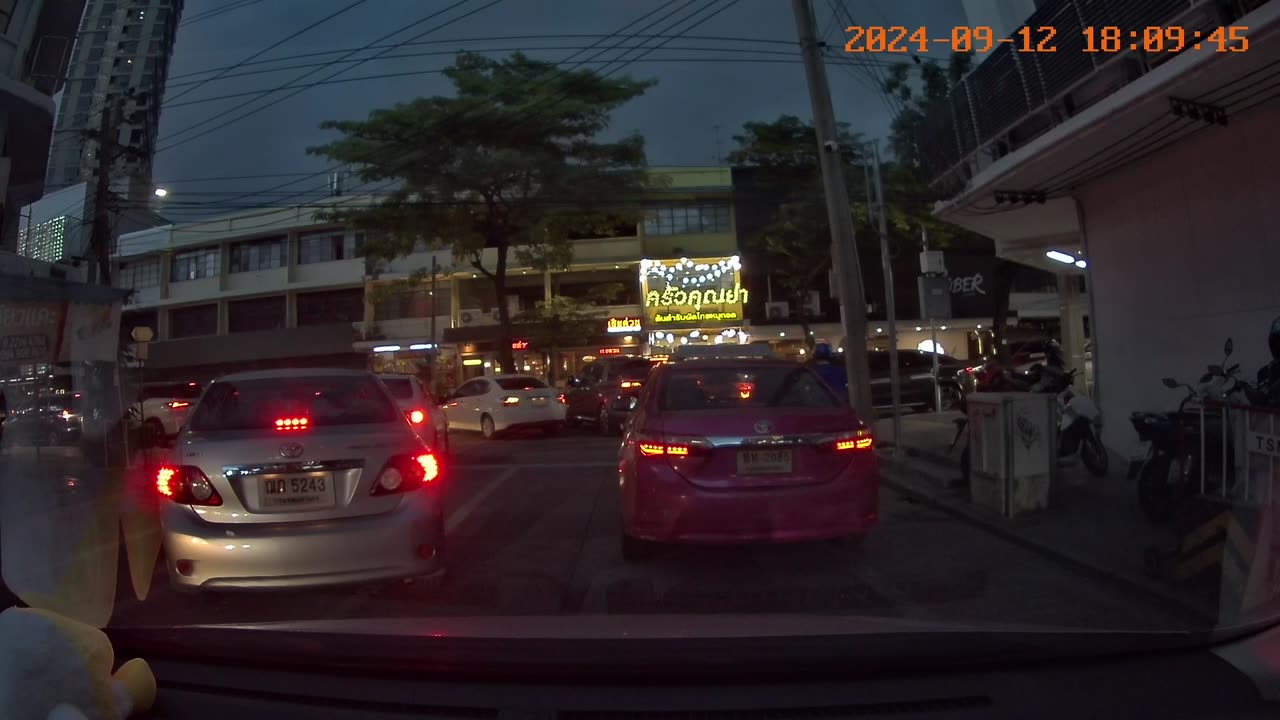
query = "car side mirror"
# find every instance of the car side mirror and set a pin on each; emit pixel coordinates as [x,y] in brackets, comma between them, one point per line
[1171,383]
[1228,347]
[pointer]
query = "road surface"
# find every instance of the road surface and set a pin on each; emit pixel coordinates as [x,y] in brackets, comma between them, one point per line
[533,528]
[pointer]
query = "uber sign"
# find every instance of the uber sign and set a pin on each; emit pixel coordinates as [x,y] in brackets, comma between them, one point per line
[1264,443]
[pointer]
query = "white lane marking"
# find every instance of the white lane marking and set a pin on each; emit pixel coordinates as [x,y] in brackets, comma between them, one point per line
[524,466]
[464,510]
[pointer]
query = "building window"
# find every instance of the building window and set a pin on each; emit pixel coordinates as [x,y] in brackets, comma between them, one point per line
[193,321]
[405,304]
[330,307]
[329,245]
[687,218]
[140,274]
[258,255]
[265,313]
[195,264]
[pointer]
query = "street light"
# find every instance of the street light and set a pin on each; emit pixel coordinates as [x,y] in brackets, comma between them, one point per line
[161,192]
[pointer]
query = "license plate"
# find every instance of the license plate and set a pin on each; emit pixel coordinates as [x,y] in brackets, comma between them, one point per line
[764,462]
[296,492]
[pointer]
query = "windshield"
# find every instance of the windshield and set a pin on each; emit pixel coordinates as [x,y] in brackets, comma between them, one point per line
[258,404]
[520,383]
[690,389]
[401,388]
[625,277]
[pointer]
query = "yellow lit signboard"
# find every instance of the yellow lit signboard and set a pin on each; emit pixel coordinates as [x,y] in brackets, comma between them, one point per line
[697,292]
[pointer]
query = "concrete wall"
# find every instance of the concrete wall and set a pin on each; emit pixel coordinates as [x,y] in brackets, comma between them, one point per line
[1183,248]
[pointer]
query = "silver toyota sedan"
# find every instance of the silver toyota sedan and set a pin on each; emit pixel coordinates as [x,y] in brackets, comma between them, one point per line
[299,478]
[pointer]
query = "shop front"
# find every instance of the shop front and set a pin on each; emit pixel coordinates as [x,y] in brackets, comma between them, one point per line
[693,301]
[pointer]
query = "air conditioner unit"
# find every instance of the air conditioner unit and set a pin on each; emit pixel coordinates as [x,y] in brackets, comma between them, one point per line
[814,306]
[468,317]
[777,310]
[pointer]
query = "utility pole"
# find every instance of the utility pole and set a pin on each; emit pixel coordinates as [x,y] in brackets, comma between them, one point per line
[933,337]
[853,307]
[109,151]
[890,301]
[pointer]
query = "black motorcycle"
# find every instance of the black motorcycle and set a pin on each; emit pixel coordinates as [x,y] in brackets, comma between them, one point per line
[1171,465]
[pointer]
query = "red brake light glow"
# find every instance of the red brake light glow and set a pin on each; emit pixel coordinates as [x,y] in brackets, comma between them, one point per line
[561,399]
[186,485]
[430,467]
[417,416]
[292,423]
[861,440]
[669,446]
[164,481]
[178,404]
[631,383]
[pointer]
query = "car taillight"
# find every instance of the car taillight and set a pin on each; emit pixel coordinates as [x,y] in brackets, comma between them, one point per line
[627,384]
[510,400]
[174,405]
[671,446]
[416,416]
[404,473]
[856,441]
[186,485]
[561,398]
[292,423]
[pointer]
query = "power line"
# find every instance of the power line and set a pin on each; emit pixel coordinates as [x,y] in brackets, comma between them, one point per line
[339,72]
[273,46]
[220,10]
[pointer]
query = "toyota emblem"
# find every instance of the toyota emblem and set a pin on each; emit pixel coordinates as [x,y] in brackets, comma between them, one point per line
[291,450]
[764,427]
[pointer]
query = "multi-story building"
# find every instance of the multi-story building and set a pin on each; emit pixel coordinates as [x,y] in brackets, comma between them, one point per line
[34,45]
[286,289]
[122,45]
[1141,160]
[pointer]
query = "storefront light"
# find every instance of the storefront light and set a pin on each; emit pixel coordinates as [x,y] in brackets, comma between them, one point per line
[421,346]
[695,334]
[488,364]
[684,341]
[386,348]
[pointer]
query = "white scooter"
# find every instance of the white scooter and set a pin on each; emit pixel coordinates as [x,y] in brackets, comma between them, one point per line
[1079,428]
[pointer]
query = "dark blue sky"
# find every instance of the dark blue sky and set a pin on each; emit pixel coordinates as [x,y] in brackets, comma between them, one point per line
[677,116]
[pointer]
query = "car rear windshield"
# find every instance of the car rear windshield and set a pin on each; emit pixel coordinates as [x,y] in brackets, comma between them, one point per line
[322,400]
[520,383]
[694,388]
[635,369]
[401,388]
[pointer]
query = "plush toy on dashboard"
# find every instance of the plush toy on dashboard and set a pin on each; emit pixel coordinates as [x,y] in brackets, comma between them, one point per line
[55,668]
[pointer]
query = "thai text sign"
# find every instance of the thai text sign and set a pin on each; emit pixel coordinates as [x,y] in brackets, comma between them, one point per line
[692,292]
[31,332]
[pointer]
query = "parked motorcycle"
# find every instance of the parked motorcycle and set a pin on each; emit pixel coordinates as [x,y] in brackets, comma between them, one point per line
[1168,462]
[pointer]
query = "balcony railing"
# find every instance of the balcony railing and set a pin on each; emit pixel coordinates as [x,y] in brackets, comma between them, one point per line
[1013,97]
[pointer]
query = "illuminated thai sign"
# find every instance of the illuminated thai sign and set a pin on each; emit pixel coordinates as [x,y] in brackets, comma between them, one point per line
[520,345]
[692,292]
[624,325]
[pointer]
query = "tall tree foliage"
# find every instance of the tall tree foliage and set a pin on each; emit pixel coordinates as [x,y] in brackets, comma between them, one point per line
[563,321]
[511,165]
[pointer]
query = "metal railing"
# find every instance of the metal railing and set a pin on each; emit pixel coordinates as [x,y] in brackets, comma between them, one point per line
[1244,467]
[1010,88]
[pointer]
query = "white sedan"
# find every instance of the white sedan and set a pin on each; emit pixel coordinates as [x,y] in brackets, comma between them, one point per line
[505,402]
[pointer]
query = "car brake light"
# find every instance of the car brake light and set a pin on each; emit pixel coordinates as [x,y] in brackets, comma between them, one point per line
[510,400]
[631,384]
[416,416]
[177,404]
[186,485]
[670,446]
[292,423]
[860,440]
[561,399]
[403,473]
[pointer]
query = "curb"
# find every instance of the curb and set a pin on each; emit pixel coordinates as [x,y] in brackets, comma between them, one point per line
[891,476]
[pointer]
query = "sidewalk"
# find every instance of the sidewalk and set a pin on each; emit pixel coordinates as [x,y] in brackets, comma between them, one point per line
[1093,524]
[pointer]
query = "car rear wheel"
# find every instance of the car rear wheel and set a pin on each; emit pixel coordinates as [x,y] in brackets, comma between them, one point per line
[487,427]
[635,549]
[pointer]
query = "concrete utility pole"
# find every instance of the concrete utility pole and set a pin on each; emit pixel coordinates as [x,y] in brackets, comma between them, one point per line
[890,301]
[109,151]
[853,307]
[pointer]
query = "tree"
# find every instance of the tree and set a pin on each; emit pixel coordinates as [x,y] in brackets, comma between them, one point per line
[563,321]
[933,96]
[511,164]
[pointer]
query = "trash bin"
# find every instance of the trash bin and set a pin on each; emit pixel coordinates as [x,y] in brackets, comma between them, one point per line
[1013,442]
